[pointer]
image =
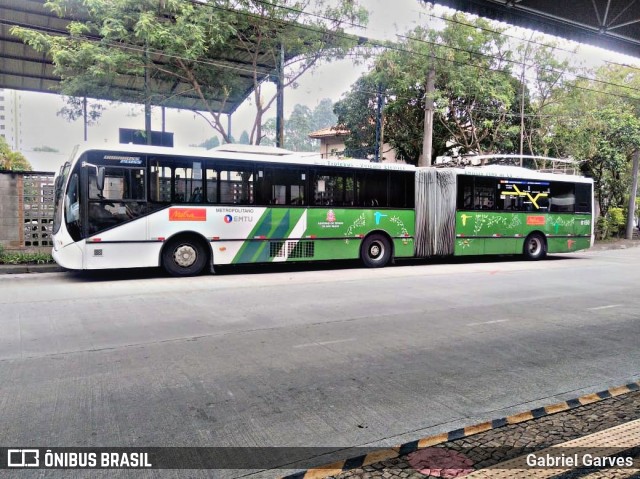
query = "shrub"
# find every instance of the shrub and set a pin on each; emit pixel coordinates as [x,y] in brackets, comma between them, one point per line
[20,257]
[617,221]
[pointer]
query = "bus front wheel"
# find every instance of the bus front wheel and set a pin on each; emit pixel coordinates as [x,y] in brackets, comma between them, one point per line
[375,251]
[184,257]
[535,247]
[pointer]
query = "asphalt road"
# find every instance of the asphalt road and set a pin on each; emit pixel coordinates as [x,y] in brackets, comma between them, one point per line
[328,356]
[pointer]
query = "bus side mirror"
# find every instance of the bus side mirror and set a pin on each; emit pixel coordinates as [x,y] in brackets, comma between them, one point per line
[100,178]
[58,184]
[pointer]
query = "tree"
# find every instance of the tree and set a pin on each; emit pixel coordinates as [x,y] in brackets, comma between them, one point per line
[75,108]
[210,143]
[356,113]
[474,93]
[12,160]
[46,148]
[598,122]
[244,138]
[322,115]
[546,87]
[300,124]
[181,41]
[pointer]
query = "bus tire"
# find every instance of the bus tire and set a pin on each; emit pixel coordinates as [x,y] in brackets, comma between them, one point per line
[535,247]
[184,256]
[375,251]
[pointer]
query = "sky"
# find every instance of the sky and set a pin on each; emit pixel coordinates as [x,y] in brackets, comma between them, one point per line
[386,19]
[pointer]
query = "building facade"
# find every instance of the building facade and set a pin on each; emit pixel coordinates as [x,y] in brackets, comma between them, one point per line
[332,145]
[11,118]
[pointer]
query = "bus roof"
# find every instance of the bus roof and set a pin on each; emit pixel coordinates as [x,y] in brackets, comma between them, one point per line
[245,153]
[281,156]
[519,172]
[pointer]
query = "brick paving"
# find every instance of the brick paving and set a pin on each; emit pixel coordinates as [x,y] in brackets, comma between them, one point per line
[458,457]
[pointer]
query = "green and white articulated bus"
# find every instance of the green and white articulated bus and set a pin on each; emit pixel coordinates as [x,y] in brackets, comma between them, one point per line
[140,206]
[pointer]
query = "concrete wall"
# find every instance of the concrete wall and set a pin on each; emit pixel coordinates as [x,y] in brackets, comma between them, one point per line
[26,210]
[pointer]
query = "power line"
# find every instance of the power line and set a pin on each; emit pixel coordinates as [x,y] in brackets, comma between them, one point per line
[548,70]
[369,41]
[535,42]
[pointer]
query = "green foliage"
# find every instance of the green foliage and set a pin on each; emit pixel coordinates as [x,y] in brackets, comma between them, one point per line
[12,160]
[244,138]
[210,143]
[610,136]
[356,112]
[75,109]
[300,124]
[21,257]
[617,221]
[611,225]
[182,41]
[475,93]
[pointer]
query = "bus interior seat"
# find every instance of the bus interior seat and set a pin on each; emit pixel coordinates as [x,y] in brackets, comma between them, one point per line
[196,196]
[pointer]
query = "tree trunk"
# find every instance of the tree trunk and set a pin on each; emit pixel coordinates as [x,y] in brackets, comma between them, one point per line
[632,196]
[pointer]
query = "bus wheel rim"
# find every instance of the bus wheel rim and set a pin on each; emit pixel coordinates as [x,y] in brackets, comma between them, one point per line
[376,250]
[185,255]
[534,246]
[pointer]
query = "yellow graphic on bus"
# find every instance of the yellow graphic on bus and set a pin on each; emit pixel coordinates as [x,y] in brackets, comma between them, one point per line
[465,218]
[517,192]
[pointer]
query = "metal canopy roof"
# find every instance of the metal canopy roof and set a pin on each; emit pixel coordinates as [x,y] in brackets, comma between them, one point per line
[610,24]
[23,68]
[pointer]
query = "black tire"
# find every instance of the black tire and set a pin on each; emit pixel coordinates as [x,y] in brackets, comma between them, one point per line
[184,256]
[375,251]
[535,247]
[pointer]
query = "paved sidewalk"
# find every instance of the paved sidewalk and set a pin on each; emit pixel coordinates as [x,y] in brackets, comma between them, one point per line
[30,268]
[487,451]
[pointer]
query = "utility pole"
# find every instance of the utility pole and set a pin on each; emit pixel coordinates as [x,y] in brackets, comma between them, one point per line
[84,118]
[427,140]
[632,196]
[522,92]
[280,101]
[379,125]
[147,96]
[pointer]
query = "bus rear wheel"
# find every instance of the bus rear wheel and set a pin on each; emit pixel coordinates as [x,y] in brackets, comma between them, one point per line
[535,247]
[375,251]
[184,256]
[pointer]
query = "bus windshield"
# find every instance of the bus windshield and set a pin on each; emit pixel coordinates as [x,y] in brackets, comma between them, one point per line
[60,181]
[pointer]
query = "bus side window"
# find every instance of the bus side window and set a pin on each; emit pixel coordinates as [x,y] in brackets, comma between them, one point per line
[583,198]
[212,186]
[236,187]
[563,198]
[372,188]
[484,194]
[188,183]
[328,189]
[280,186]
[465,192]
[401,190]
[160,183]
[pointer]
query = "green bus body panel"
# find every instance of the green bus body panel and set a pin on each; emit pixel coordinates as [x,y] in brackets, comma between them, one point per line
[485,232]
[274,223]
[336,232]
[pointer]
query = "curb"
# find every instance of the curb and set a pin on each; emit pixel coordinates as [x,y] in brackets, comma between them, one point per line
[412,446]
[29,268]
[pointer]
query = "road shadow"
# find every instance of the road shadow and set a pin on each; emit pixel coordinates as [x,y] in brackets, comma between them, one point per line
[270,268]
